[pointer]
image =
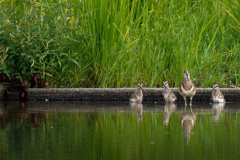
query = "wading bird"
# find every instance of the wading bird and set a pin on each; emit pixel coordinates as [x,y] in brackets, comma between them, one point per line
[168,95]
[187,88]
[217,95]
[137,96]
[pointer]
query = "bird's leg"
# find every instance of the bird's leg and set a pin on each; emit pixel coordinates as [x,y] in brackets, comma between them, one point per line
[185,100]
[190,101]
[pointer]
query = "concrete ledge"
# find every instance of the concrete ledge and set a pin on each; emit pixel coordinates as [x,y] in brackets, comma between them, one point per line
[119,94]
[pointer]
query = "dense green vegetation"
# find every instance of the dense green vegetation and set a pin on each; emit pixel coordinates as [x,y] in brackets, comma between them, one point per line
[118,43]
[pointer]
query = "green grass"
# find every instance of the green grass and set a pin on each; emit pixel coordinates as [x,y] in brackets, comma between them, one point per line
[122,42]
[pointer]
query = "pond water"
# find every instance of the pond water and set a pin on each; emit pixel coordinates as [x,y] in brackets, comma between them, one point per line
[118,130]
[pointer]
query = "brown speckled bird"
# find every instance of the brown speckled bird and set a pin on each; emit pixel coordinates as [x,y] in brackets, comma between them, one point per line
[187,88]
[137,96]
[217,95]
[168,95]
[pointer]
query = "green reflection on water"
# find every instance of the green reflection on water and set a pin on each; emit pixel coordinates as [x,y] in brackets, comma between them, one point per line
[133,132]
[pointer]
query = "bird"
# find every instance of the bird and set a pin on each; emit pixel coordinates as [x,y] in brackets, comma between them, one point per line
[187,88]
[137,96]
[168,95]
[217,95]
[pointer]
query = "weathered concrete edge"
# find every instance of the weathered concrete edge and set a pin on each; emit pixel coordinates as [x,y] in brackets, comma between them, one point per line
[119,94]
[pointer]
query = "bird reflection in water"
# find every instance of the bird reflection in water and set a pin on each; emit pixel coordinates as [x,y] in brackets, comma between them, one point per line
[217,108]
[187,120]
[138,108]
[169,108]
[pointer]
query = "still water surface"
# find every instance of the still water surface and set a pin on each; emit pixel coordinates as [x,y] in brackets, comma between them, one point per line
[118,130]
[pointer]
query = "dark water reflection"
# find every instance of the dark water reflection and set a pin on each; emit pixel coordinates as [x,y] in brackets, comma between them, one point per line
[217,109]
[119,130]
[138,107]
[187,120]
[169,108]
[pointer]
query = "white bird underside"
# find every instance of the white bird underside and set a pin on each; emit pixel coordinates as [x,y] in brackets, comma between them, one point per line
[138,99]
[218,99]
[189,92]
[169,98]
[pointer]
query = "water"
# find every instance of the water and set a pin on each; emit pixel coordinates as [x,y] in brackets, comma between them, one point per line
[117,130]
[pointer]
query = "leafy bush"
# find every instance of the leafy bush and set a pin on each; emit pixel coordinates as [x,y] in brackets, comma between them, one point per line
[38,39]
